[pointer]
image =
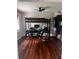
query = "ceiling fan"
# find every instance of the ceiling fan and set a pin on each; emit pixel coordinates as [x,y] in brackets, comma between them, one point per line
[41,9]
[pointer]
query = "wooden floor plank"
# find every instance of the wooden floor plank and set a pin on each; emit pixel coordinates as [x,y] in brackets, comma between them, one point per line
[35,48]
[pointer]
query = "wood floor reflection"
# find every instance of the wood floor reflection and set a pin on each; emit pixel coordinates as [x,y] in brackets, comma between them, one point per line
[34,48]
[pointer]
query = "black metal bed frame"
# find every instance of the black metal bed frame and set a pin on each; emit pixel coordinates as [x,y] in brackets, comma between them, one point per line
[38,20]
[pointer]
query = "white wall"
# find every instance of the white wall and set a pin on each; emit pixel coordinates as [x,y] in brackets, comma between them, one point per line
[39,15]
[21,31]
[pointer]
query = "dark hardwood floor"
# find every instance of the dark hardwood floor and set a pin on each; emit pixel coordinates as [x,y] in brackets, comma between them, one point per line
[35,48]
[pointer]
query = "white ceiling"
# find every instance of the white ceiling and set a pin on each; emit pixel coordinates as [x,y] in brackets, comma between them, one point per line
[29,7]
[42,0]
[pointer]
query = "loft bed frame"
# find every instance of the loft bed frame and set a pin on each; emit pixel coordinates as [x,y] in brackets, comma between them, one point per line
[37,20]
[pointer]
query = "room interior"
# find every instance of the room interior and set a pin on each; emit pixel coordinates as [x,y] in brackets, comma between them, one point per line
[39,29]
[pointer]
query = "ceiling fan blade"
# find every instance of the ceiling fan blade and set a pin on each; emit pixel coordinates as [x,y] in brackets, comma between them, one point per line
[41,9]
